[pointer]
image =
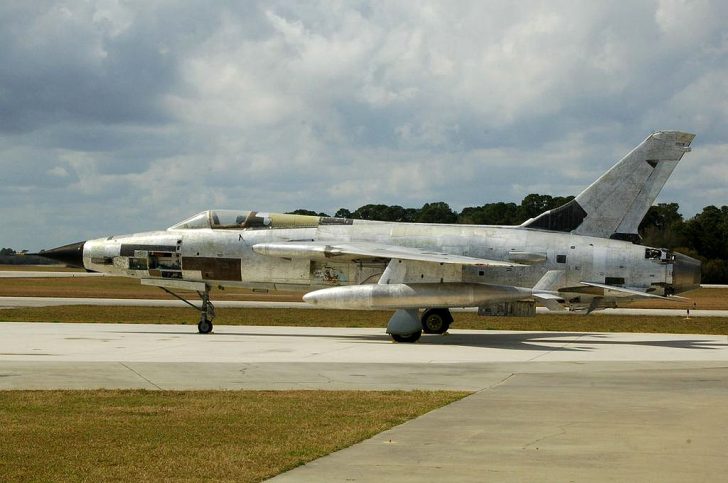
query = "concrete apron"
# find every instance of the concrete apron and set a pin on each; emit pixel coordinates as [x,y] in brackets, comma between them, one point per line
[573,425]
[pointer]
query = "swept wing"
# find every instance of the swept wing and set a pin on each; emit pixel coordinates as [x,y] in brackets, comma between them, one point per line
[367,250]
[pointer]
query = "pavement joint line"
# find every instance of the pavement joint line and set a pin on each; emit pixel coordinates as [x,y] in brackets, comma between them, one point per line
[561,431]
[488,388]
[138,374]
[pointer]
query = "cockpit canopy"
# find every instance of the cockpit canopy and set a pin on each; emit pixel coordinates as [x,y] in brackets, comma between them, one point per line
[219,220]
[239,220]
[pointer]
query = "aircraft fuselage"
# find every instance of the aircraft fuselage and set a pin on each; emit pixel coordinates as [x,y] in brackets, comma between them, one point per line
[227,258]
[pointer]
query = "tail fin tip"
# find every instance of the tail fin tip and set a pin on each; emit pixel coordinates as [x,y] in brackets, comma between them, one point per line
[613,206]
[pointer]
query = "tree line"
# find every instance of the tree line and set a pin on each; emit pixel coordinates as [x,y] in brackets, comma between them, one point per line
[703,236]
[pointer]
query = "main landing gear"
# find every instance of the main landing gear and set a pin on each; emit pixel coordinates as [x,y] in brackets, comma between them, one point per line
[436,321]
[407,326]
[207,310]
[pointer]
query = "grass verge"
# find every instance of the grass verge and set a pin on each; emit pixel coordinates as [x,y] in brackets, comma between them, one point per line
[121,288]
[353,318]
[212,435]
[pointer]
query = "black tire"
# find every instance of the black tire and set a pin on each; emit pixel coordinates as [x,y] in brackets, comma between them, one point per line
[436,321]
[204,326]
[407,338]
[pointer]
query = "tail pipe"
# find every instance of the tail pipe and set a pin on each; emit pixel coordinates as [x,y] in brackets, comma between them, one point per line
[685,274]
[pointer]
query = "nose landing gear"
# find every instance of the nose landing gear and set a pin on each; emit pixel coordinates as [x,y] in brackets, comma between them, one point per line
[207,310]
[207,313]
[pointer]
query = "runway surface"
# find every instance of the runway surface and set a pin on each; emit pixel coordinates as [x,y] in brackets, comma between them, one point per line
[10,302]
[546,406]
[176,357]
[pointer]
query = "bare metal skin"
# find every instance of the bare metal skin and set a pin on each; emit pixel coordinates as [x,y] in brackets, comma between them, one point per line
[581,256]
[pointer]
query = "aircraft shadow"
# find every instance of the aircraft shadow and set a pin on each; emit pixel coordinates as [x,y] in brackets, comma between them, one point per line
[535,341]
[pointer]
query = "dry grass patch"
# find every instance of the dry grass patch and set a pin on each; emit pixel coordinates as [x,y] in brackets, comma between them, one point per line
[121,288]
[353,318]
[211,435]
[38,268]
[702,298]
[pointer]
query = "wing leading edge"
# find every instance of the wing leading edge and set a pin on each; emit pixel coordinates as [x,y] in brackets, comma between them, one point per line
[367,250]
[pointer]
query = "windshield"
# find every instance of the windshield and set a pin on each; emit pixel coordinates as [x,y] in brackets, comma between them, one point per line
[200,220]
[216,219]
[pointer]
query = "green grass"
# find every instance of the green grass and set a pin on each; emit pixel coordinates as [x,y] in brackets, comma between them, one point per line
[351,318]
[211,435]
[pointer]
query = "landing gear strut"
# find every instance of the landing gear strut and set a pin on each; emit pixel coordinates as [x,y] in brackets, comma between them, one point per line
[207,310]
[207,313]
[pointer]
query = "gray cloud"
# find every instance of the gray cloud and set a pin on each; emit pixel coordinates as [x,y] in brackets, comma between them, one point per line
[126,116]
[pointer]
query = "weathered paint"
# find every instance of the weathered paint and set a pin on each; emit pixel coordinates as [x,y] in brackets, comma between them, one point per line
[557,252]
[584,258]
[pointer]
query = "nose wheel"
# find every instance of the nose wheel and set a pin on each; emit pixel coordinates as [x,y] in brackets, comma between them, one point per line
[204,326]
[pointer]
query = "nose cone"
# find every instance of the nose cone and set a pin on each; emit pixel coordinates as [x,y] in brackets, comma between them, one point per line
[71,254]
[685,273]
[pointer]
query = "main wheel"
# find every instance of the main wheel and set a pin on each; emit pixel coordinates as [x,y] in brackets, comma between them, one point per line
[408,338]
[204,326]
[436,321]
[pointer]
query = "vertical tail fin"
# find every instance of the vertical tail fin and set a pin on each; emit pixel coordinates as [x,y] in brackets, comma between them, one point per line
[613,206]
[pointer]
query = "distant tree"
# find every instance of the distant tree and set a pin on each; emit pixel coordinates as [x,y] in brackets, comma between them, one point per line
[535,204]
[438,212]
[305,212]
[662,215]
[343,213]
[491,214]
[714,271]
[394,213]
[397,213]
[663,226]
[707,232]
[7,252]
[371,212]
[411,214]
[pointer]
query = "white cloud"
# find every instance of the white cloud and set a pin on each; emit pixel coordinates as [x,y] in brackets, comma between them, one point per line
[136,115]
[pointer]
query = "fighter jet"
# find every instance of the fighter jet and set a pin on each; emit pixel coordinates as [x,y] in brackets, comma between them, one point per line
[582,256]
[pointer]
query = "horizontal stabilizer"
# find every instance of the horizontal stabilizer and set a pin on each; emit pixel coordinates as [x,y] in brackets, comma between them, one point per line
[630,292]
[550,301]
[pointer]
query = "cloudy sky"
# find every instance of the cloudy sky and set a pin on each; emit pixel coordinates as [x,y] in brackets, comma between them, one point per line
[124,116]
